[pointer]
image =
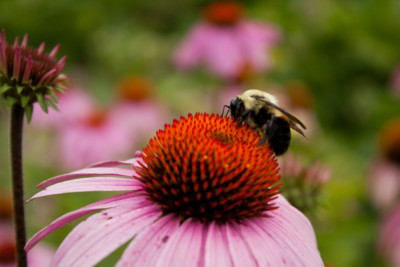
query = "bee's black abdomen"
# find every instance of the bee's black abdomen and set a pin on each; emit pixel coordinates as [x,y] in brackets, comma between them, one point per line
[279,138]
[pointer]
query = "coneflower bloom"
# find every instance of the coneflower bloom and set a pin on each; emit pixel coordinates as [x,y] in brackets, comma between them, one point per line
[202,193]
[135,96]
[28,75]
[395,81]
[389,238]
[97,136]
[229,45]
[384,174]
[73,105]
[302,184]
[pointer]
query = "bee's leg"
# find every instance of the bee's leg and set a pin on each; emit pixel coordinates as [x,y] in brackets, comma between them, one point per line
[244,116]
[270,125]
[223,110]
[262,140]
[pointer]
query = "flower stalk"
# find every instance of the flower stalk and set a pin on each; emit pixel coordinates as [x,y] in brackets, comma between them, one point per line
[17,118]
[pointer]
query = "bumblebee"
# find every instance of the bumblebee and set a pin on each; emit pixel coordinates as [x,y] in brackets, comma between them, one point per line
[260,111]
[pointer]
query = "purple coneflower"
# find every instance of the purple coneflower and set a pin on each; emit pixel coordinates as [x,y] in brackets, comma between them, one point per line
[389,239]
[229,45]
[384,174]
[28,75]
[202,193]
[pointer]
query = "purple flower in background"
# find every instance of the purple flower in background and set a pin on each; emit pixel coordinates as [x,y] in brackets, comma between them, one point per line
[137,108]
[395,82]
[384,175]
[389,239]
[230,46]
[202,193]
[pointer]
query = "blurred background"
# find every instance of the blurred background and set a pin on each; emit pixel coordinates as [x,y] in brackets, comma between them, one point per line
[135,65]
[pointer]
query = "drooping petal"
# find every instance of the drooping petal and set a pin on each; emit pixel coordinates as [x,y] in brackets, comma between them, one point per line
[145,248]
[216,250]
[91,241]
[87,172]
[290,233]
[88,185]
[111,202]
[184,247]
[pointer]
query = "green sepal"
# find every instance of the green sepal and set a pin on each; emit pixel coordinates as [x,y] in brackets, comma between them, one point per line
[5,88]
[52,105]
[29,112]
[19,89]
[52,95]
[60,88]
[42,102]
[11,101]
[25,100]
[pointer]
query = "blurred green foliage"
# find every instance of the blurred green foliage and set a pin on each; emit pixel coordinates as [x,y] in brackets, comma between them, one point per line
[344,51]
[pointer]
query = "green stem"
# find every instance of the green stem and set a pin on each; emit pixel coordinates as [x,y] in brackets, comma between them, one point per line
[17,119]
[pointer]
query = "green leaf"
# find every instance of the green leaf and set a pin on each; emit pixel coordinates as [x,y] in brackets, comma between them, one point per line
[52,105]
[29,112]
[19,89]
[60,88]
[53,95]
[11,101]
[5,87]
[42,102]
[25,100]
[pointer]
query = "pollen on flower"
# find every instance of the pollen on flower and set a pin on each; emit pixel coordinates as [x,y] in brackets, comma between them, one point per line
[207,168]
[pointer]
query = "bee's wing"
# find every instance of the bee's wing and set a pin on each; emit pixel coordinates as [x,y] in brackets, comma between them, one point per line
[293,121]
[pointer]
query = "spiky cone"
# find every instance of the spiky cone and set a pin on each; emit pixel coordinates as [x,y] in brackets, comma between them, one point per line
[28,75]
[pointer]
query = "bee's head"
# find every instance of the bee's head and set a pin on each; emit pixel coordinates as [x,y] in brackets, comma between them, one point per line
[236,107]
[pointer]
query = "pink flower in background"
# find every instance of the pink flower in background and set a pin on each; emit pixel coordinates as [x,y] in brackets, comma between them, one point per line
[73,105]
[39,256]
[137,108]
[229,45]
[389,239]
[96,137]
[395,81]
[384,178]
[384,184]
[202,193]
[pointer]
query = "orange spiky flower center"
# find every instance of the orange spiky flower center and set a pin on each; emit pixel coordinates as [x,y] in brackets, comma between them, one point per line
[207,168]
[223,13]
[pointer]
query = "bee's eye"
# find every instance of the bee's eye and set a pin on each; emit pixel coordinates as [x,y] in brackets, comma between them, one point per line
[237,107]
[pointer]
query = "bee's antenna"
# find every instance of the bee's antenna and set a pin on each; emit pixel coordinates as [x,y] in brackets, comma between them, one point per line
[227,112]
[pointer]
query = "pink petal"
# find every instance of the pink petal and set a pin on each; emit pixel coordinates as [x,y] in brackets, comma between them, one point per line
[289,231]
[184,247]
[216,250]
[236,243]
[111,202]
[259,245]
[88,185]
[87,172]
[89,243]
[132,162]
[144,250]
